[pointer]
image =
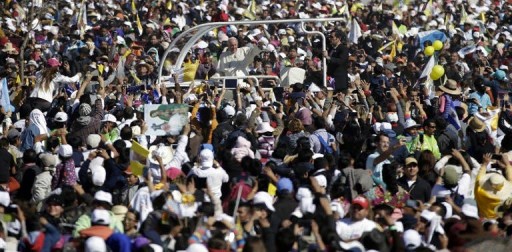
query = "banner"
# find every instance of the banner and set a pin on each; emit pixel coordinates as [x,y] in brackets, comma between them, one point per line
[166,119]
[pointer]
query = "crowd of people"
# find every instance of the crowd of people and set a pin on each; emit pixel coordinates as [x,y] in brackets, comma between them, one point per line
[405,148]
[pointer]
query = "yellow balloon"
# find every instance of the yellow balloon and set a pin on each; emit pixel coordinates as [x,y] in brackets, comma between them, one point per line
[437,72]
[438,45]
[429,50]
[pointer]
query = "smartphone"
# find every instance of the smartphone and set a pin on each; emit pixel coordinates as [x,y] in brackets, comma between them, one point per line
[388,94]
[231,84]
[496,156]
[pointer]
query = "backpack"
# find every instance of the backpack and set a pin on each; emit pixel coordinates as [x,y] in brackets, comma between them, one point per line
[326,148]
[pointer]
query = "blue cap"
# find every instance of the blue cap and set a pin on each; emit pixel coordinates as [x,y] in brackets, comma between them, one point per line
[499,75]
[284,184]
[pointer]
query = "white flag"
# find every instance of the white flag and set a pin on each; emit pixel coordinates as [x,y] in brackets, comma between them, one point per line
[355,31]
[428,67]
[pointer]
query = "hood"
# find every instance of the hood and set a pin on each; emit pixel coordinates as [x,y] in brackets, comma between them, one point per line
[241,142]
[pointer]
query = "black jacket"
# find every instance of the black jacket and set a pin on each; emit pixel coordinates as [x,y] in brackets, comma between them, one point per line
[337,66]
[420,190]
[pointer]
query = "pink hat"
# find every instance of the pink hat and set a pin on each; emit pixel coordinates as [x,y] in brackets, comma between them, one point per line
[173,173]
[53,62]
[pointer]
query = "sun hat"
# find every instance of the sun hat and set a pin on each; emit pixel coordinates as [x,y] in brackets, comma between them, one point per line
[450,87]
[476,124]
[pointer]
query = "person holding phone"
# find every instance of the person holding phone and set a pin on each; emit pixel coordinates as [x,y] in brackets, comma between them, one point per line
[208,168]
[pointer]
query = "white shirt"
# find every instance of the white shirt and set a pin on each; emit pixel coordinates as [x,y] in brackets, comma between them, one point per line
[348,230]
[48,93]
[376,169]
[215,177]
[463,188]
[180,156]
[235,64]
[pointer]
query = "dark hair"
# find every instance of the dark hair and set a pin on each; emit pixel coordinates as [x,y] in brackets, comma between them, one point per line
[286,239]
[128,113]
[321,163]
[74,141]
[319,122]
[126,133]
[344,159]
[124,153]
[52,142]
[4,143]
[29,156]
[378,136]
[254,244]
[304,156]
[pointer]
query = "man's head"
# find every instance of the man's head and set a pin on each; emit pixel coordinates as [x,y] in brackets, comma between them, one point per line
[429,126]
[382,142]
[411,167]
[337,37]
[359,208]
[232,44]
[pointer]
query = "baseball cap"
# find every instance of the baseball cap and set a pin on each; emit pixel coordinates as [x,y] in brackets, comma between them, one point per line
[109,118]
[284,184]
[410,160]
[61,117]
[103,197]
[361,201]
[100,217]
[12,134]
[65,150]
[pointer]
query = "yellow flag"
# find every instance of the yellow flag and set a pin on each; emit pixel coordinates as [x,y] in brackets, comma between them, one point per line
[399,46]
[139,25]
[392,54]
[250,13]
[342,10]
[386,46]
[463,14]
[168,5]
[428,9]
[482,16]
[18,79]
[134,8]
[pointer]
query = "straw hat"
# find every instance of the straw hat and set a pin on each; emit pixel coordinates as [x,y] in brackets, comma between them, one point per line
[476,124]
[450,87]
[490,180]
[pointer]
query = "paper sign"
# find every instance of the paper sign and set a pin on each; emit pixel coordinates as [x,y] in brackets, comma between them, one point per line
[163,120]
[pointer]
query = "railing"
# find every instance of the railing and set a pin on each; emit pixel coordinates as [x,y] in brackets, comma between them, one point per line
[202,29]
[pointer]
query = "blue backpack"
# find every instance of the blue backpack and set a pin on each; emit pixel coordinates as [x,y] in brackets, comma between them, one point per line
[326,148]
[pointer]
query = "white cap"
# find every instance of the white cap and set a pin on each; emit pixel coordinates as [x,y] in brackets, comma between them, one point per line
[65,150]
[61,117]
[412,239]
[100,216]
[281,32]
[264,198]
[291,39]
[103,196]
[98,175]
[109,118]
[229,110]
[410,123]
[206,157]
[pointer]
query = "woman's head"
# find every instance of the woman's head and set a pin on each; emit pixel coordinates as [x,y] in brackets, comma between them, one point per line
[295,125]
